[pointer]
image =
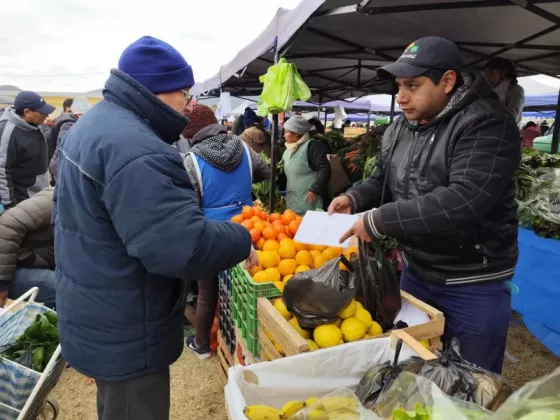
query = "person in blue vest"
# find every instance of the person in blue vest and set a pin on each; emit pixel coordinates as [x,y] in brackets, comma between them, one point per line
[222,169]
[129,234]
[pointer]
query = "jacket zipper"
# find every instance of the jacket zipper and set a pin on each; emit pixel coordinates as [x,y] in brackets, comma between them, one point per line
[428,156]
[409,165]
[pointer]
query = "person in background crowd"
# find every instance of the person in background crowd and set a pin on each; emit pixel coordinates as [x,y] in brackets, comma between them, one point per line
[52,139]
[446,172]
[544,127]
[183,145]
[529,133]
[222,169]
[67,106]
[5,102]
[238,126]
[27,249]
[129,234]
[79,106]
[306,167]
[255,134]
[24,163]
[502,76]
[317,125]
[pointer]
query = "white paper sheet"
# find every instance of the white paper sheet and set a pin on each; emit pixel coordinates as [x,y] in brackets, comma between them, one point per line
[318,228]
[411,315]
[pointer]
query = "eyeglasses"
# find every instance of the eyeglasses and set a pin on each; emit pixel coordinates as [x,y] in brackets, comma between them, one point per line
[188,96]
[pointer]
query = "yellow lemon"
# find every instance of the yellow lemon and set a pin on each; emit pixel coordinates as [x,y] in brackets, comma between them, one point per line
[261,277]
[300,246]
[304,258]
[302,268]
[287,267]
[328,254]
[352,329]
[279,285]
[269,259]
[349,310]
[375,329]
[312,347]
[287,251]
[254,270]
[319,248]
[271,245]
[281,307]
[425,343]
[328,335]
[360,306]
[319,261]
[314,253]
[272,274]
[287,241]
[365,317]
[295,324]
[288,277]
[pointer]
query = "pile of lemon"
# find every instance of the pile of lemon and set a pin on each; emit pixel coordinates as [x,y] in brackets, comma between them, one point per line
[279,261]
[353,323]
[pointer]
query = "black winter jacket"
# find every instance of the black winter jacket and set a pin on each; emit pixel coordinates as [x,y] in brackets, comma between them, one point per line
[450,190]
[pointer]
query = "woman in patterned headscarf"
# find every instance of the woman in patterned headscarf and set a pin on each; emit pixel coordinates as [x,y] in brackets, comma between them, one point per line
[222,170]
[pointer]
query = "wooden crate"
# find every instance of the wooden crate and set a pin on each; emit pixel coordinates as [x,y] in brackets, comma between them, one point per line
[292,343]
[224,357]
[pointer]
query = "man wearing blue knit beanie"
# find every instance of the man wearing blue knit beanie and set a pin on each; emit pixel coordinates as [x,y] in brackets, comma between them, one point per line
[130,234]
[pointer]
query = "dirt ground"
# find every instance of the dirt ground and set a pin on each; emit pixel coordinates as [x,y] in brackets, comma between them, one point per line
[197,387]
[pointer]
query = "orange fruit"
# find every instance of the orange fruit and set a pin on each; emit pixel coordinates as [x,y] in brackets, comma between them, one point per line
[329,254]
[286,241]
[288,216]
[255,219]
[277,223]
[260,225]
[271,245]
[314,253]
[269,259]
[272,274]
[274,216]
[319,248]
[299,218]
[260,243]
[237,218]
[288,277]
[319,261]
[304,258]
[279,229]
[247,212]
[254,270]
[279,285]
[337,251]
[264,216]
[255,235]
[302,268]
[261,277]
[293,226]
[289,234]
[269,233]
[287,251]
[300,246]
[257,211]
[281,236]
[247,224]
[287,267]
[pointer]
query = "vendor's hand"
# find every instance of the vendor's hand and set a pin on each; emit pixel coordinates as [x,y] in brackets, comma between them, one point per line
[341,205]
[358,229]
[3,298]
[310,197]
[253,259]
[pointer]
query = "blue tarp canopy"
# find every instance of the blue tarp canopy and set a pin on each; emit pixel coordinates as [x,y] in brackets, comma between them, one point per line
[537,275]
[540,114]
[547,101]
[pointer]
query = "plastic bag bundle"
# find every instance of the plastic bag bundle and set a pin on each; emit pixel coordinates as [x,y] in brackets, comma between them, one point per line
[282,86]
[460,379]
[378,283]
[341,404]
[537,400]
[379,378]
[315,297]
[414,397]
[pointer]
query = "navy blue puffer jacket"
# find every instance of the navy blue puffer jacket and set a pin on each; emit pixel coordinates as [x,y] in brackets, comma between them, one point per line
[128,235]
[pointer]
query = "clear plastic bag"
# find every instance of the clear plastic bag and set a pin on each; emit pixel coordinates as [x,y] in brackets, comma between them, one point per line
[341,404]
[537,400]
[414,397]
[377,282]
[315,297]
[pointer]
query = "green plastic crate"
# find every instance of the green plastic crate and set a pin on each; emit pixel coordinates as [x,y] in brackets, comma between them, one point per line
[245,294]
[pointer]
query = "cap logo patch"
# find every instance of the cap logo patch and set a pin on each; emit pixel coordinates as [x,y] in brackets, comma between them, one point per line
[410,51]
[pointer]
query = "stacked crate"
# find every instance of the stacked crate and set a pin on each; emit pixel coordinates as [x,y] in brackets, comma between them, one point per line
[226,325]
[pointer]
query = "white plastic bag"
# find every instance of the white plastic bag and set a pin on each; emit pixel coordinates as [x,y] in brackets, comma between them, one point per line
[339,404]
[307,375]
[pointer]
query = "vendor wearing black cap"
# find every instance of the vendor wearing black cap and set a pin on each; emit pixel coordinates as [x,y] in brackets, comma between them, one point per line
[23,149]
[447,169]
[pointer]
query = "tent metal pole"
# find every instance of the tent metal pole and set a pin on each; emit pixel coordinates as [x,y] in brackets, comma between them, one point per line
[393,96]
[556,131]
[274,142]
[368,119]
[319,107]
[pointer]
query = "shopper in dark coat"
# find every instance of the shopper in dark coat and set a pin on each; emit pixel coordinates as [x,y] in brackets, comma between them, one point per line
[448,170]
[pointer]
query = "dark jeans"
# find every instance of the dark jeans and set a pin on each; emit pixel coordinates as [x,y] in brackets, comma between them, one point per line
[142,398]
[478,315]
[205,310]
[26,278]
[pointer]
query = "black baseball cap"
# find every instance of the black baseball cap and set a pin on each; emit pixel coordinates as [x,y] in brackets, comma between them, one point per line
[34,102]
[423,55]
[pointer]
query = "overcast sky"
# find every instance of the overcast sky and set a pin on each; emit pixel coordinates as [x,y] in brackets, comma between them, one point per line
[70,45]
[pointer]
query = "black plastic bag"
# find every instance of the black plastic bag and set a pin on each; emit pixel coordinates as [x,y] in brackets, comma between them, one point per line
[315,297]
[378,283]
[465,381]
[379,379]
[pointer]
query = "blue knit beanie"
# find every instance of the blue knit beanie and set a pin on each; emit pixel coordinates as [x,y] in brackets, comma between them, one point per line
[250,117]
[156,65]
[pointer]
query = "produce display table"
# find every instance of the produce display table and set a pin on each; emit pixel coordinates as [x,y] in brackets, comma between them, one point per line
[536,276]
